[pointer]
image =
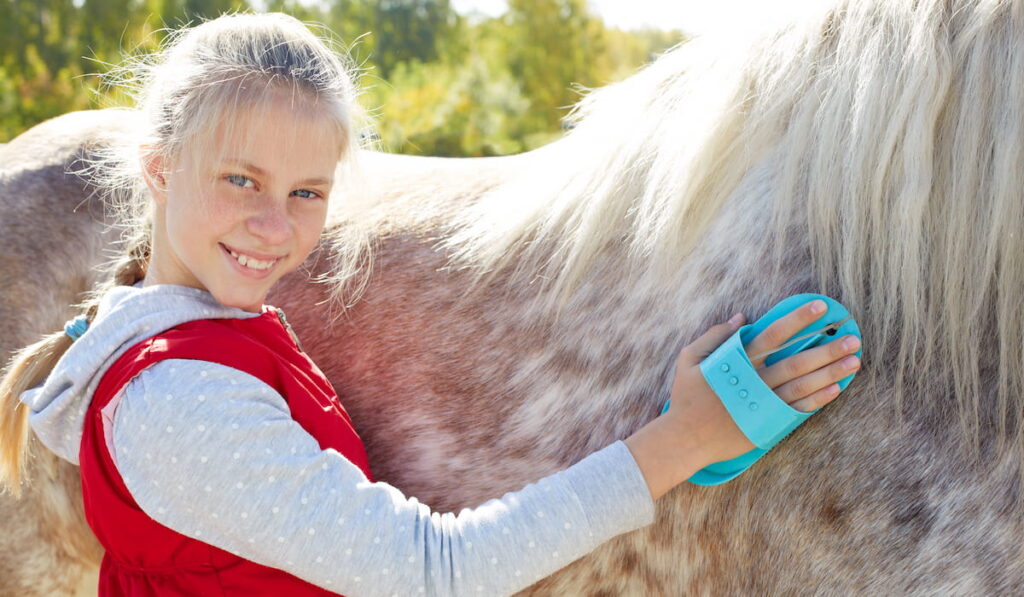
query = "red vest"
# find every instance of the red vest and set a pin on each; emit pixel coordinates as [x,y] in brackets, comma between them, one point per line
[145,558]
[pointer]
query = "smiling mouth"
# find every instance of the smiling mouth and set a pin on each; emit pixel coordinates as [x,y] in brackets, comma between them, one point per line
[252,262]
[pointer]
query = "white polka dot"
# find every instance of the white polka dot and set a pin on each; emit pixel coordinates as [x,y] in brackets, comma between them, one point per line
[234,425]
[304,501]
[236,455]
[290,563]
[412,559]
[554,554]
[170,429]
[208,489]
[201,397]
[245,515]
[161,510]
[149,456]
[181,488]
[367,511]
[169,397]
[173,369]
[198,533]
[275,509]
[202,374]
[293,449]
[376,539]
[479,589]
[423,589]
[494,560]
[567,526]
[312,531]
[280,539]
[142,427]
[540,514]
[531,544]
[319,560]
[324,466]
[348,551]
[174,460]
[203,459]
[357,579]
[271,478]
[215,516]
[341,520]
[201,428]
[518,573]
[240,485]
[458,574]
[384,571]
[469,545]
[505,531]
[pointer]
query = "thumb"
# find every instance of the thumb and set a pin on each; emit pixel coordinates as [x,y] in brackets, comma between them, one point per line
[699,349]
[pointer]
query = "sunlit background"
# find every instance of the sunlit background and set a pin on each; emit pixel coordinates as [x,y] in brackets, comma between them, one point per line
[439,77]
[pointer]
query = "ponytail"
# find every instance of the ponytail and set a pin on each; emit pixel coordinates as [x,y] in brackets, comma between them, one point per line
[31,365]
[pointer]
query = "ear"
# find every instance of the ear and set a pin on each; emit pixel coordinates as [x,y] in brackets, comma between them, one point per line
[154,172]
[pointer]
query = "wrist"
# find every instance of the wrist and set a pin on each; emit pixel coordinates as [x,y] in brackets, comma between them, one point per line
[665,456]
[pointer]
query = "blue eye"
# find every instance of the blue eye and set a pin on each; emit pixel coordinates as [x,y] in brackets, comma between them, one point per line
[308,194]
[240,181]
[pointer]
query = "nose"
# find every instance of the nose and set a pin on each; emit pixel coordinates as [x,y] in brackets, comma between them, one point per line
[270,222]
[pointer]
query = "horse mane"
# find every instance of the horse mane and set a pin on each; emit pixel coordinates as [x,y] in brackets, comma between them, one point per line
[893,130]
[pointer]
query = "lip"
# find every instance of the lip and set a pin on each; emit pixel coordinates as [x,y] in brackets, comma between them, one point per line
[248,271]
[260,256]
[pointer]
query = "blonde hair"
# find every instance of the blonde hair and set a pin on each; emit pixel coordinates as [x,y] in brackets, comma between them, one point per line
[895,134]
[181,93]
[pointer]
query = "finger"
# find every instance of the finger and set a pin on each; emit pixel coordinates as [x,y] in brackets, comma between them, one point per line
[699,349]
[817,399]
[785,328]
[806,385]
[807,361]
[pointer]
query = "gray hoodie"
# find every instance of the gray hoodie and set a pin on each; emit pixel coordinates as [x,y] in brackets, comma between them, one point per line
[214,454]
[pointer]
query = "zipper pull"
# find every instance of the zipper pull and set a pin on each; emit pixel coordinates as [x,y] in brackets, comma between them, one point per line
[288,327]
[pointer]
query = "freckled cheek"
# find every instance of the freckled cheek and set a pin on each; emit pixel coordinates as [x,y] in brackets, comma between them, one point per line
[310,225]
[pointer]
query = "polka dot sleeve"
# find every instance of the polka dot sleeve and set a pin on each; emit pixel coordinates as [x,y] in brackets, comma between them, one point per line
[213,453]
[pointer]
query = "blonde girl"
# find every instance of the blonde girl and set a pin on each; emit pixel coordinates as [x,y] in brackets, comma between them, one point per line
[215,458]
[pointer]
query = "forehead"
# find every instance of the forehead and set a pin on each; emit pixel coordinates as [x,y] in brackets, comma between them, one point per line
[284,137]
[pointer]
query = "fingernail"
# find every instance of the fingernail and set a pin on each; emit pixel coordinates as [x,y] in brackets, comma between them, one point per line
[736,319]
[850,363]
[818,306]
[851,342]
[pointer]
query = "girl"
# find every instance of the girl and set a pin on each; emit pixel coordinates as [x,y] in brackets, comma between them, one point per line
[215,457]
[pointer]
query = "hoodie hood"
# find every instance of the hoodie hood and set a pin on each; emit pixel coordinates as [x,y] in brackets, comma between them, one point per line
[126,316]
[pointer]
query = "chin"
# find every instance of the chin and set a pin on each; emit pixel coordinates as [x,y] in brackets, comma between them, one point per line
[249,302]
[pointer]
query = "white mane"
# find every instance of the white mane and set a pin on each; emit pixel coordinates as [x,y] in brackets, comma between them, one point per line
[897,127]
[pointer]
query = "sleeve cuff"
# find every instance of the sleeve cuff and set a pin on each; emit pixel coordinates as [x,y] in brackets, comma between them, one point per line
[612,491]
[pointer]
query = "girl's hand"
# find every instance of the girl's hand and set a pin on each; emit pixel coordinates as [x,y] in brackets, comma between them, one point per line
[697,429]
[806,380]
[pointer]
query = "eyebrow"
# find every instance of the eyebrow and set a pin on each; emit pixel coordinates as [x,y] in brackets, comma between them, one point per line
[261,172]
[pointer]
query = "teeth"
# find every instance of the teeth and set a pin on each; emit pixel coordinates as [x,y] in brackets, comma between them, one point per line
[250,262]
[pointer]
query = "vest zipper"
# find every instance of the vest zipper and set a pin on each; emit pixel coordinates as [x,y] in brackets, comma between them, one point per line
[288,327]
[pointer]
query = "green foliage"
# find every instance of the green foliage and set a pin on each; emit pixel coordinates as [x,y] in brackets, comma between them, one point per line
[437,83]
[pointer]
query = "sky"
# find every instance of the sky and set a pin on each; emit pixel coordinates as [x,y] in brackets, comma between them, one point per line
[692,16]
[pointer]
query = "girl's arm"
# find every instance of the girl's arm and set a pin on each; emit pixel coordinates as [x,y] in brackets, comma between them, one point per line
[235,471]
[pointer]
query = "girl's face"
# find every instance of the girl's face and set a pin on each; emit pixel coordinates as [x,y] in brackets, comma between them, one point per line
[235,218]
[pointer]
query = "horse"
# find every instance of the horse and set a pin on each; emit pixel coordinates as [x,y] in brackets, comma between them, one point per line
[491,321]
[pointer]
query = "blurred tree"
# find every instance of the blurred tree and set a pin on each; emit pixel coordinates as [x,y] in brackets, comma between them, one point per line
[555,44]
[441,84]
